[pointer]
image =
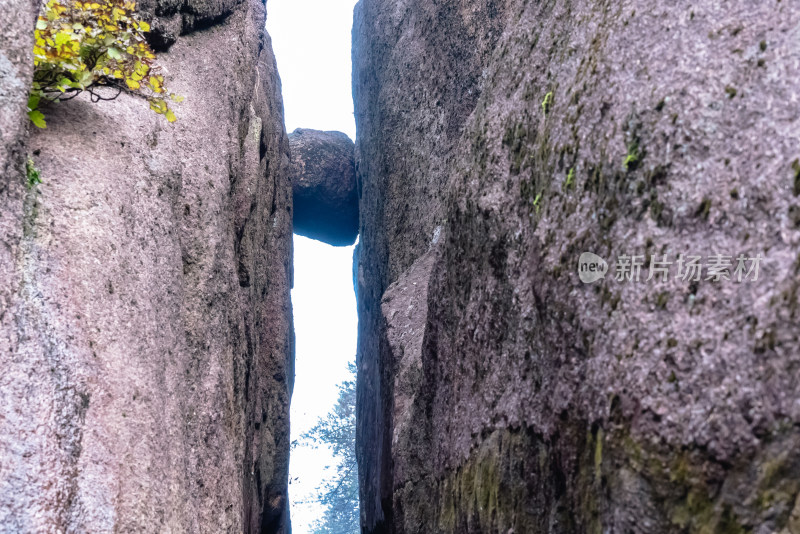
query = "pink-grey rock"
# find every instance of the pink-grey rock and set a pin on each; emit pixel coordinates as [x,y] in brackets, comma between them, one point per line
[146,344]
[324,185]
[172,18]
[16,72]
[544,404]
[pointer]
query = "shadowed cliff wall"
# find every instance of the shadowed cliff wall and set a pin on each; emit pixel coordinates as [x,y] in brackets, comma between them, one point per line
[507,396]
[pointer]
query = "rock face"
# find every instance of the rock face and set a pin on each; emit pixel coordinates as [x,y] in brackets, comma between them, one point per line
[146,344]
[16,69]
[499,393]
[171,18]
[324,186]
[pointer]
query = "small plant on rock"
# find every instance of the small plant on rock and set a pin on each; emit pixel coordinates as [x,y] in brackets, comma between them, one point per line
[547,103]
[633,157]
[570,179]
[33,174]
[98,47]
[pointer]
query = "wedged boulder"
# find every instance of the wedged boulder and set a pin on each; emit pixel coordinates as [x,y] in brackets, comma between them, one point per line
[324,186]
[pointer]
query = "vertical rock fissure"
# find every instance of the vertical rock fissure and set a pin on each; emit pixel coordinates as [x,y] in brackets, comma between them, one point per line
[312,42]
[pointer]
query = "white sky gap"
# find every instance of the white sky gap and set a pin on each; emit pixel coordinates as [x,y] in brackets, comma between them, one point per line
[311,39]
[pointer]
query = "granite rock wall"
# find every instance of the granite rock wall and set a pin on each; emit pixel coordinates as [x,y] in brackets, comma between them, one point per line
[145,323]
[518,135]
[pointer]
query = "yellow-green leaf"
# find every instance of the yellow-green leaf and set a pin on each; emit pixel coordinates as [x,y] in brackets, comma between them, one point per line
[37,118]
[63,38]
[159,106]
[80,44]
[85,79]
[33,101]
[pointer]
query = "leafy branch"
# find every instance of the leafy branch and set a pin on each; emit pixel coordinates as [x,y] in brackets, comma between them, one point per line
[98,47]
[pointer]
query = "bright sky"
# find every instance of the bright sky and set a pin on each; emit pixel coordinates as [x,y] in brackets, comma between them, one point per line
[311,39]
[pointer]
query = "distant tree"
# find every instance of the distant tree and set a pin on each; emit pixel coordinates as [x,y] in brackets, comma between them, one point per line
[339,495]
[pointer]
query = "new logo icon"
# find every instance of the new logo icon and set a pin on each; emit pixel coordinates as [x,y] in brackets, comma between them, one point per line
[591,268]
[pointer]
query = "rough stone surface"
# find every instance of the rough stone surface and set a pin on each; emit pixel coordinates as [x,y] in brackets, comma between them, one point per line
[16,71]
[172,18]
[547,405]
[405,311]
[324,186]
[146,345]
